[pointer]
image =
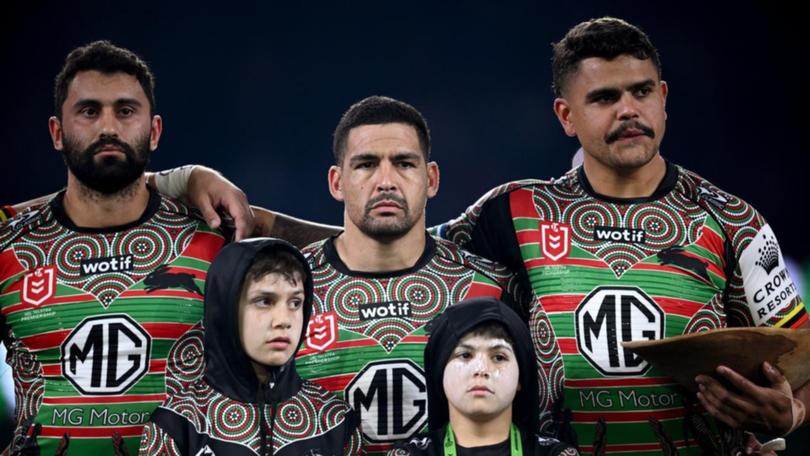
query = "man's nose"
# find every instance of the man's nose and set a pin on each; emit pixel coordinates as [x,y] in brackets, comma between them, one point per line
[386,177]
[109,123]
[628,107]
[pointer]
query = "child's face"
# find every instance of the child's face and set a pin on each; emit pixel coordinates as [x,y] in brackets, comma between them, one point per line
[271,314]
[481,377]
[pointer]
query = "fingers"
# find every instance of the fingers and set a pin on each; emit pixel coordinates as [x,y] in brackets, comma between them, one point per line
[730,408]
[206,208]
[236,204]
[774,376]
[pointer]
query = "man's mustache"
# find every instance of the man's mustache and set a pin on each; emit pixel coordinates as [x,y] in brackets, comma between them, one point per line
[105,141]
[631,124]
[386,197]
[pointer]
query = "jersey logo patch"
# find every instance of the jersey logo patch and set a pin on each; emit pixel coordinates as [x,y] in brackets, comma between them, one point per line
[609,316]
[674,256]
[106,355]
[39,285]
[321,331]
[555,239]
[161,278]
[768,286]
[715,199]
[391,398]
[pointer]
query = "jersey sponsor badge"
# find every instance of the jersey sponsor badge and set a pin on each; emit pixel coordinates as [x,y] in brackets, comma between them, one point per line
[768,286]
[39,285]
[391,399]
[555,239]
[106,354]
[611,315]
[322,331]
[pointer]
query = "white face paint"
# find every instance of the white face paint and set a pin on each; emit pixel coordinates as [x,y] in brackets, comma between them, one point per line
[481,377]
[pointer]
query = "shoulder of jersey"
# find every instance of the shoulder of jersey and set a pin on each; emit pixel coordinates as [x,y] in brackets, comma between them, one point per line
[314,253]
[452,252]
[24,223]
[701,190]
[175,206]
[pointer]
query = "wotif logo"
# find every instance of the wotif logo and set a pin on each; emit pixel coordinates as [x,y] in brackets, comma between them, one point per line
[102,265]
[388,309]
[609,233]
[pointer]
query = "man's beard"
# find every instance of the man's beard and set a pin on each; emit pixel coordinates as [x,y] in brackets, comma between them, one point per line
[111,174]
[386,230]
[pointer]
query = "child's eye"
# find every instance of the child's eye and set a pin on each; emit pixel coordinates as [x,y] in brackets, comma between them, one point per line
[500,358]
[296,304]
[464,355]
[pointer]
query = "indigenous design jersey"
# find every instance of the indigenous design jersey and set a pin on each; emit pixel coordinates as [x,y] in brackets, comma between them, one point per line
[216,424]
[100,324]
[688,258]
[366,337]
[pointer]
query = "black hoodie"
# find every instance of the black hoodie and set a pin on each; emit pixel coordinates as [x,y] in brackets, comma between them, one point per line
[445,333]
[221,412]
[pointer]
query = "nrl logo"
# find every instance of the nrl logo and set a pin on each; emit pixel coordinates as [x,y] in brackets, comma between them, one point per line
[555,239]
[322,331]
[39,285]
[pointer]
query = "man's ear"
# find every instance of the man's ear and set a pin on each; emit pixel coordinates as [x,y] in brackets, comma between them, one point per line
[55,129]
[335,185]
[563,112]
[433,179]
[155,131]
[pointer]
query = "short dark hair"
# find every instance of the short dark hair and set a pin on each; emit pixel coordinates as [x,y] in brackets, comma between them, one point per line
[491,329]
[607,38]
[106,58]
[276,261]
[377,110]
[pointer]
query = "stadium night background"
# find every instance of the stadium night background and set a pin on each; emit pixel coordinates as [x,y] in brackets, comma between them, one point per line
[255,90]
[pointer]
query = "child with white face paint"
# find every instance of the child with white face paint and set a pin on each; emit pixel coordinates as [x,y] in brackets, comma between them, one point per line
[482,386]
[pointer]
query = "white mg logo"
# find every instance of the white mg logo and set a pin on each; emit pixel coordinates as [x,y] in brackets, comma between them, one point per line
[391,399]
[106,355]
[609,316]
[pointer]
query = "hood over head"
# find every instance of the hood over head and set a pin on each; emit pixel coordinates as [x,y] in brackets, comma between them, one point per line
[445,333]
[228,368]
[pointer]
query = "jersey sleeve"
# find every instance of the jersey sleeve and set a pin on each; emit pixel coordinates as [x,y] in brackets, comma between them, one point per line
[760,290]
[486,228]
[155,441]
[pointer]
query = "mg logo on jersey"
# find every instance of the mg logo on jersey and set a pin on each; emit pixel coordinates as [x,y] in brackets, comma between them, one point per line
[106,355]
[391,398]
[555,240]
[321,331]
[609,316]
[39,285]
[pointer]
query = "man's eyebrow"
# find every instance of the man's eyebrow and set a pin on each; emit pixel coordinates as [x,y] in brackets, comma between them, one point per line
[407,155]
[649,83]
[364,157]
[128,101]
[605,92]
[94,102]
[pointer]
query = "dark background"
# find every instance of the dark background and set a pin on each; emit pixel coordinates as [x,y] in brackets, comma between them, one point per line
[255,90]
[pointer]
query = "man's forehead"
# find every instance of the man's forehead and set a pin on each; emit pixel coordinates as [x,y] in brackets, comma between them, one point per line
[98,84]
[382,138]
[620,72]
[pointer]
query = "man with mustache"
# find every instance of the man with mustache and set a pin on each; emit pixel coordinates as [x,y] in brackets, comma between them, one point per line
[379,281]
[101,301]
[631,246]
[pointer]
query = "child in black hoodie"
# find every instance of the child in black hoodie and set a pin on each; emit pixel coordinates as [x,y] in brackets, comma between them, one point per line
[482,386]
[251,401]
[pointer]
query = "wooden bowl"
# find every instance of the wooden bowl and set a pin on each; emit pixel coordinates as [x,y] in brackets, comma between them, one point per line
[741,349]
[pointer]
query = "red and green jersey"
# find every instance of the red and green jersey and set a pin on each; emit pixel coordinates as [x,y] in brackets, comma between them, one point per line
[688,258]
[101,324]
[366,337]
